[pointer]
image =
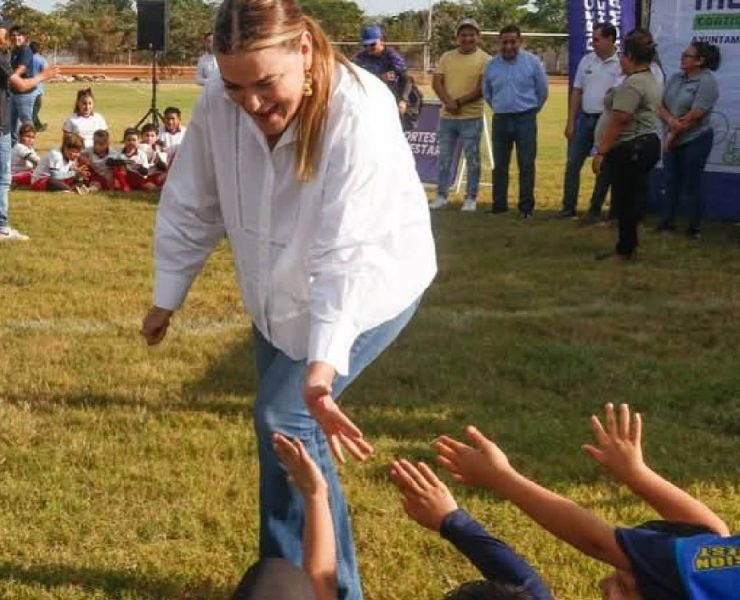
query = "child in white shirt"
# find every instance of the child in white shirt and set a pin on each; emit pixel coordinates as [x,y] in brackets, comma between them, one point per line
[23,157]
[155,153]
[107,166]
[84,121]
[61,170]
[173,132]
[137,163]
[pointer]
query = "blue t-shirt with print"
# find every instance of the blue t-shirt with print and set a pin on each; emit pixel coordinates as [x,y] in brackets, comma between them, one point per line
[670,565]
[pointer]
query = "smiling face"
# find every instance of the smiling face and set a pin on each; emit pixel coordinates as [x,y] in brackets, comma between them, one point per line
[620,585]
[467,39]
[268,83]
[510,43]
[85,106]
[149,137]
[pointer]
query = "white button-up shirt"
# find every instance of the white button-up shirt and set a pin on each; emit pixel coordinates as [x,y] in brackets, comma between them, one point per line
[319,262]
[206,69]
[594,77]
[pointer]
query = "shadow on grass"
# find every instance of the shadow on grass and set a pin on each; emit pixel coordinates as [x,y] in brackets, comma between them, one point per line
[114,584]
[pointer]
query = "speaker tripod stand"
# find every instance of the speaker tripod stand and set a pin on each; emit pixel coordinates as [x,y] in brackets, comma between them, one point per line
[153,112]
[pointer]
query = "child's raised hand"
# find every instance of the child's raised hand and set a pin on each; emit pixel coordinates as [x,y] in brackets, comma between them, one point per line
[426,499]
[303,472]
[618,443]
[482,466]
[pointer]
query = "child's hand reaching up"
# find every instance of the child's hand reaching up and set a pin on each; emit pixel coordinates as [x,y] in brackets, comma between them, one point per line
[484,466]
[426,499]
[618,443]
[303,472]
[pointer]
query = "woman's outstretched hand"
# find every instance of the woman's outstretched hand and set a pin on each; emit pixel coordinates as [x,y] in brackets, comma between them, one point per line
[339,429]
[155,324]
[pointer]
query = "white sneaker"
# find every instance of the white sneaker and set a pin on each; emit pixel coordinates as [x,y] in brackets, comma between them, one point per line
[8,234]
[438,203]
[470,205]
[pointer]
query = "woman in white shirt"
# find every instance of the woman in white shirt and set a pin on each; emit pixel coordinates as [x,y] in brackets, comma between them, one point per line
[84,121]
[301,162]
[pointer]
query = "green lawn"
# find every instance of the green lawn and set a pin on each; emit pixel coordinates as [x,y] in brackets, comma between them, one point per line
[130,473]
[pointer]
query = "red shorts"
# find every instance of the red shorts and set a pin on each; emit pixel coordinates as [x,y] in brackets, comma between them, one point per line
[22,178]
[41,184]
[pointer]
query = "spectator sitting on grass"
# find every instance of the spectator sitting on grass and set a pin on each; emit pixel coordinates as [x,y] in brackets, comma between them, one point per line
[23,157]
[61,170]
[686,557]
[84,120]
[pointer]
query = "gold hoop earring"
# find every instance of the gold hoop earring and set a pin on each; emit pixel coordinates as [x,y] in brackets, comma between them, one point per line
[307,83]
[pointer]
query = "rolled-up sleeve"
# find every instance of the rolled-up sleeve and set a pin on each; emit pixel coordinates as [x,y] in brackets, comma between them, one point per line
[350,249]
[189,223]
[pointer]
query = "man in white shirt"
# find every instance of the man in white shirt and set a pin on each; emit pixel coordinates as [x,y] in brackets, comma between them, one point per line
[597,73]
[207,65]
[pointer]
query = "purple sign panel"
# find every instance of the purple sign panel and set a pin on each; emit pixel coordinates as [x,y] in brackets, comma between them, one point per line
[424,142]
[584,14]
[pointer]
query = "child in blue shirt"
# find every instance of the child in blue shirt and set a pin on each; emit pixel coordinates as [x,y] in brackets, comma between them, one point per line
[689,556]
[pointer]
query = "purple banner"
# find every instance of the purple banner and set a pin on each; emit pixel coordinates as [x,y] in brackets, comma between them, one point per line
[424,143]
[584,14]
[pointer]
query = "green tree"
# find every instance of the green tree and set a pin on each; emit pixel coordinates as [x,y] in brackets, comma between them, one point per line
[100,28]
[341,19]
[189,20]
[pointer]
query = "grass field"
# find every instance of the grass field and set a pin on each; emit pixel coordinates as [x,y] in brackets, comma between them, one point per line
[130,473]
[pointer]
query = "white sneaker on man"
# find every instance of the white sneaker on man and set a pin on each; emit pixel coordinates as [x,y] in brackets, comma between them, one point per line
[439,202]
[469,205]
[8,234]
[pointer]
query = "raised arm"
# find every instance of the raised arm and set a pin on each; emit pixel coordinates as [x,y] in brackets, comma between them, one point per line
[319,544]
[619,450]
[485,465]
[19,84]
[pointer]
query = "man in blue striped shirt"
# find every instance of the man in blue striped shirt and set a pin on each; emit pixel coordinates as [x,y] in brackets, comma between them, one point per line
[515,86]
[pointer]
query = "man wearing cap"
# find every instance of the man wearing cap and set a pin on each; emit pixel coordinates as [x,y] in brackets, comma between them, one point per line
[515,86]
[10,80]
[385,63]
[457,83]
[597,72]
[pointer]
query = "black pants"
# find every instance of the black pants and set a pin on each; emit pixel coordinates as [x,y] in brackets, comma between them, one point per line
[627,166]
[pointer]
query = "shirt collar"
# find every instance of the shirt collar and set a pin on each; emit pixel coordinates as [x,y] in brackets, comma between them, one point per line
[687,77]
[613,58]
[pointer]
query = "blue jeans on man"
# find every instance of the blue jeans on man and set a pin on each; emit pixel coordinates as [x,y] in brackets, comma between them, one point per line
[451,133]
[279,406]
[579,149]
[21,110]
[4,177]
[682,168]
[511,129]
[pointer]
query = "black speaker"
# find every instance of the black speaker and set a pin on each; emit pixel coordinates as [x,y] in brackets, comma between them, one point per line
[151,25]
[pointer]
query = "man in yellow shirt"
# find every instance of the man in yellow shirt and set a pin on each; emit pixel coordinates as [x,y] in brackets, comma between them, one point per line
[457,83]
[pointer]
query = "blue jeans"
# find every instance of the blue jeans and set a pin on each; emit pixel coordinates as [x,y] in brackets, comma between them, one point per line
[682,168]
[509,129]
[21,110]
[4,177]
[280,407]
[579,149]
[452,131]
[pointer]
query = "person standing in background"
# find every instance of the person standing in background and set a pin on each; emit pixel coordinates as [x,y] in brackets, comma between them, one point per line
[39,64]
[207,65]
[458,84]
[21,59]
[385,63]
[515,86]
[596,74]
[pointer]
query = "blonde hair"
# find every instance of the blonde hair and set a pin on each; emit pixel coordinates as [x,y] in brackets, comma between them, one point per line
[248,25]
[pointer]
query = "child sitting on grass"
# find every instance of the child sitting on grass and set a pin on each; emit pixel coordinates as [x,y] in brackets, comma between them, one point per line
[155,154]
[278,578]
[173,132]
[23,157]
[108,172]
[429,502]
[687,557]
[61,170]
[137,164]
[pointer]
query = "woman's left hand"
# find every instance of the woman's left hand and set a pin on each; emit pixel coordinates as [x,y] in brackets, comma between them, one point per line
[597,162]
[339,429]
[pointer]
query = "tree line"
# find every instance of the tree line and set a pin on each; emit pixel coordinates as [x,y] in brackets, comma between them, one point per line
[103,31]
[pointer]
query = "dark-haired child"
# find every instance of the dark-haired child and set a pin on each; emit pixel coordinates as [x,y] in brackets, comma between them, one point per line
[107,166]
[84,120]
[137,164]
[173,132]
[62,170]
[689,556]
[23,156]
